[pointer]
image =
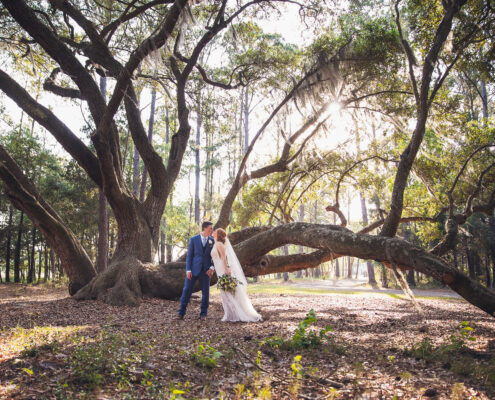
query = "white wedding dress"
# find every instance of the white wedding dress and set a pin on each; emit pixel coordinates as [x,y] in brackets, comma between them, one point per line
[236,305]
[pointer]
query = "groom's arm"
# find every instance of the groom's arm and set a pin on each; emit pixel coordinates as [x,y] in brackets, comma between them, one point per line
[189,257]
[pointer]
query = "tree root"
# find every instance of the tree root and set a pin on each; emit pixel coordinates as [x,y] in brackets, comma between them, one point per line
[127,280]
[117,285]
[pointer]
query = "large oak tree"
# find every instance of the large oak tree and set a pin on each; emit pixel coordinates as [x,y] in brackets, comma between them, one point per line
[76,53]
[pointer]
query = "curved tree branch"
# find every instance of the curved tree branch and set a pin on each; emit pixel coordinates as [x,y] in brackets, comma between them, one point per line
[23,195]
[341,241]
[51,86]
[69,141]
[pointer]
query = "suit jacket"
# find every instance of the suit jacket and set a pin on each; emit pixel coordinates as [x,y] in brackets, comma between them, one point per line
[198,257]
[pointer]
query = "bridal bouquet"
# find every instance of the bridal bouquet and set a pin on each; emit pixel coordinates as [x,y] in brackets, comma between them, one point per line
[227,283]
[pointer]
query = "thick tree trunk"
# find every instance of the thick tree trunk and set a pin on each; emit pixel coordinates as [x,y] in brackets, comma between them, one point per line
[17,253]
[197,170]
[9,245]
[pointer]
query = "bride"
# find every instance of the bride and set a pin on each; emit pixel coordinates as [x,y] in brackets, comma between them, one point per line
[236,305]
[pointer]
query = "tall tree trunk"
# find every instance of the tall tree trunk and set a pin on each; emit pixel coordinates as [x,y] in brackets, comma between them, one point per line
[162,243]
[484,99]
[151,123]
[102,255]
[350,261]
[410,274]
[9,245]
[286,274]
[301,248]
[40,259]
[135,172]
[491,224]
[383,277]
[32,266]
[424,97]
[369,264]
[52,264]
[470,259]
[487,269]
[17,254]
[207,172]
[197,169]
[47,265]
[454,256]
[337,266]
[246,119]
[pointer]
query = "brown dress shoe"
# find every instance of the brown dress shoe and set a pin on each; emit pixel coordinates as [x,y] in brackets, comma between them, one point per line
[179,317]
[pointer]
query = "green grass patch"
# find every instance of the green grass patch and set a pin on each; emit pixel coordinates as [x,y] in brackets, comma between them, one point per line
[282,289]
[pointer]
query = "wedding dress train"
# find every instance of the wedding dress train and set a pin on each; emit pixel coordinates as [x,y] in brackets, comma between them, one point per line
[236,305]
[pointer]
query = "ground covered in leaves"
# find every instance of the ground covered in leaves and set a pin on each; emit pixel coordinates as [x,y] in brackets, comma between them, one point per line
[361,346]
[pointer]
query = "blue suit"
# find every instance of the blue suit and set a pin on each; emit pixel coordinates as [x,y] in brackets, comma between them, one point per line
[198,261]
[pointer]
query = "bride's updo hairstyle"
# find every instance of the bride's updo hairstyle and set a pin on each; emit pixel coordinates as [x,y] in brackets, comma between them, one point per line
[221,235]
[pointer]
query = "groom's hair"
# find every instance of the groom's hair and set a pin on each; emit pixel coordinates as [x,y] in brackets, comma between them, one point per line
[205,225]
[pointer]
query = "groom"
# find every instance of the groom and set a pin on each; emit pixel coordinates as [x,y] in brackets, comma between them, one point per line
[198,266]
